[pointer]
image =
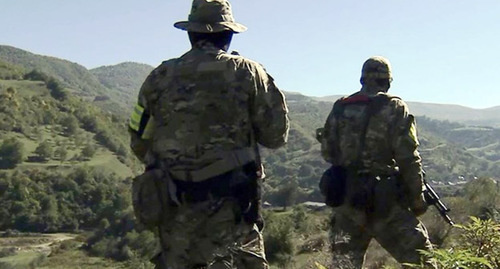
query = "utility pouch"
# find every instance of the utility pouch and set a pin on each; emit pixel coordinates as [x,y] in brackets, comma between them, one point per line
[333,185]
[247,189]
[150,197]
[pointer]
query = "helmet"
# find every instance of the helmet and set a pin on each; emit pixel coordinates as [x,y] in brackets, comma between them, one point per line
[376,67]
[210,16]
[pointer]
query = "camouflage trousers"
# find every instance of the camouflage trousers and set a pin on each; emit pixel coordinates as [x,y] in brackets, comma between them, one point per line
[210,235]
[398,231]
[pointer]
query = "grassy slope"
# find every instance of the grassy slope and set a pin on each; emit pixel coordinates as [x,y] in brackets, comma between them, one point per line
[103,158]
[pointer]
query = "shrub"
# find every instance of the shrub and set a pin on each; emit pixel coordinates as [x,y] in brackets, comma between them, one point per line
[478,247]
[279,239]
[88,151]
[44,150]
[56,90]
[11,153]
[70,125]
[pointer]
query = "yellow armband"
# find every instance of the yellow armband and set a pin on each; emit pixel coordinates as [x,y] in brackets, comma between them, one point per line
[141,122]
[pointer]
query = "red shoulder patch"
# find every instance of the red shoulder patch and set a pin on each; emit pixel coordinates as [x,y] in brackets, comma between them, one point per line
[356,99]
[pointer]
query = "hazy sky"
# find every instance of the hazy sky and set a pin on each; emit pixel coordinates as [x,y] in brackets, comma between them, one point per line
[441,51]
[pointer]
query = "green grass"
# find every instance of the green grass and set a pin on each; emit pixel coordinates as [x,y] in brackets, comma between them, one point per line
[22,260]
[25,87]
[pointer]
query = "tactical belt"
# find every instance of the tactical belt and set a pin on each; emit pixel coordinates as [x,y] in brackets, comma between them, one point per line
[226,162]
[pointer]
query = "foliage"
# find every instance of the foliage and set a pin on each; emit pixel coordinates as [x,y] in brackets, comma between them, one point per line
[88,151]
[38,200]
[70,125]
[279,238]
[61,153]
[56,90]
[44,150]
[9,71]
[36,75]
[11,153]
[478,247]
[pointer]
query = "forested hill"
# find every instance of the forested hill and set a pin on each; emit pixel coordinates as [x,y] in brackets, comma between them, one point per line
[109,87]
[446,112]
[72,75]
[125,79]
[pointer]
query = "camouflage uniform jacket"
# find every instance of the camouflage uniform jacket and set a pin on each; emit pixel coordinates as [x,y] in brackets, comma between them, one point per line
[205,105]
[390,141]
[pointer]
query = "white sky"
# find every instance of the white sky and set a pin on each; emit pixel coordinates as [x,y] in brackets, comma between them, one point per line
[441,51]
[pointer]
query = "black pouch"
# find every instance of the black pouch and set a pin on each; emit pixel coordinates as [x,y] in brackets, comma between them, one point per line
[333,185]
[247,189]
[150,197]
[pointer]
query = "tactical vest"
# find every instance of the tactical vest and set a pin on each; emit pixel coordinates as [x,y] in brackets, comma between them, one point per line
[201,112]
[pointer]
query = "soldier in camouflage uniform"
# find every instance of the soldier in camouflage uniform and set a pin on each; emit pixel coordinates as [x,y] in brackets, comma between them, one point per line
[371,138]
[199,119]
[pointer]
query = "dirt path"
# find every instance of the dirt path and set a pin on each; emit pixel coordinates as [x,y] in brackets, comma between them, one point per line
[35,243]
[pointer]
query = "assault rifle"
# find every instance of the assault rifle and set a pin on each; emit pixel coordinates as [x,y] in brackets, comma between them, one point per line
[432,198]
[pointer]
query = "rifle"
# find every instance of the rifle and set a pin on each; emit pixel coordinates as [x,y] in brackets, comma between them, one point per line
[432,198]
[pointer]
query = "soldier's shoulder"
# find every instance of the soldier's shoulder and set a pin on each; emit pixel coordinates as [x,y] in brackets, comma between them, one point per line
[164,66]
[155,76]
[397,105]
[392,99]
[243,61]
[357,97]
[160,71]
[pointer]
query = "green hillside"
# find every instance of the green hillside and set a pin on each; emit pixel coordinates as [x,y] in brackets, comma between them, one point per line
[72,75]
[125,79]
[110,93]
[77,132]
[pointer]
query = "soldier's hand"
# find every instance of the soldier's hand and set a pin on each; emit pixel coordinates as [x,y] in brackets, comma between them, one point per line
[418,205]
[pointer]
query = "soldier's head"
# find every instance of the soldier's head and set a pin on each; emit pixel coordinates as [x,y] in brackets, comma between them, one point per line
[376,74]
[211,21]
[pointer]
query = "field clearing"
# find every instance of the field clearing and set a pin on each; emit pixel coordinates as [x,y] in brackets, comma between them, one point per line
[29,250]
[29,88]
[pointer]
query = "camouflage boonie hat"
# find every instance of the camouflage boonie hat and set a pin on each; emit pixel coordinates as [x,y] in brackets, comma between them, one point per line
[210,16]
[376,67]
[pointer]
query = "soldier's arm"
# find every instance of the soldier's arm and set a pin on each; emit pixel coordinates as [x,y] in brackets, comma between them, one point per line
[141,124]
[269,112]
[405,146]
[328,138]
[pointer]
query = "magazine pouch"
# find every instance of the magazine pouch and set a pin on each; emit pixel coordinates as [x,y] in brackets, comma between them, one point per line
[150,197]
[332,185]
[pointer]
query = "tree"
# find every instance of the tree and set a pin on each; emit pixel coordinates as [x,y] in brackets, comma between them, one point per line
[88,151]
[11,153]
[56,90]
[44,150]
[36,75]
[288,193]
[70,125]
[62,153]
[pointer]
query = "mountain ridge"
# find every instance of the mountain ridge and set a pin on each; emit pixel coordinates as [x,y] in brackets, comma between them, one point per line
[120,83]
